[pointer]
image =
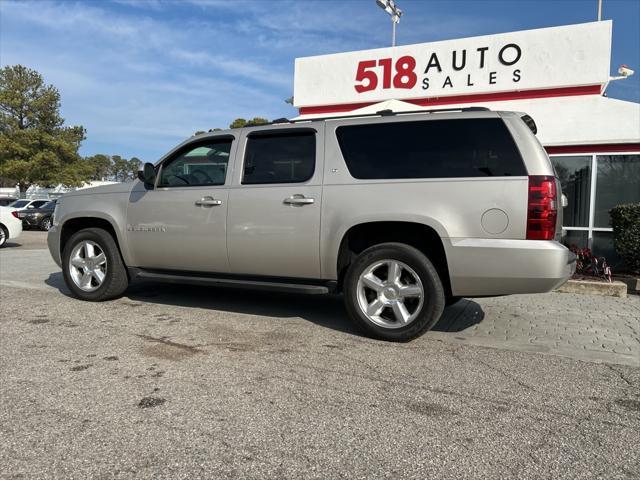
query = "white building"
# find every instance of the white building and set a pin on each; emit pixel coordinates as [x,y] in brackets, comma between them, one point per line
[556,75]
[36,191]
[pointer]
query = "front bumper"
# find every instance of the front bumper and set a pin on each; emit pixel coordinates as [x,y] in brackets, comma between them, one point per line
[491,267]
[53,242]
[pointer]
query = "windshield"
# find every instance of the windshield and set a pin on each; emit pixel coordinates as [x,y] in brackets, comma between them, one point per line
[49,205]
[19,204]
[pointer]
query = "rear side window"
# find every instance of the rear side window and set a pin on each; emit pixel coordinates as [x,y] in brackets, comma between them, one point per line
[479,147]
[280,158]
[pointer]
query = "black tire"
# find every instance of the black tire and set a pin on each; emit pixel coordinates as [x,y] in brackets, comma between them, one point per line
[434,298]
[116,280]
[46,224]
[4,235]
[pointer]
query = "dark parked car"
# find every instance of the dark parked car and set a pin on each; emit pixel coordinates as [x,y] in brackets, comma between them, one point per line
[25,203]
[4,201]
[39,218]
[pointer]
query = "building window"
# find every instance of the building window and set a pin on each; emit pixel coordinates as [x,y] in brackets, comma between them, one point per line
[594,184]
[618,182]
[575,176]
[579,238]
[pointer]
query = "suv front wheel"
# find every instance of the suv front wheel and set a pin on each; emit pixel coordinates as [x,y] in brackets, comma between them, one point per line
[92,267]
[393,292]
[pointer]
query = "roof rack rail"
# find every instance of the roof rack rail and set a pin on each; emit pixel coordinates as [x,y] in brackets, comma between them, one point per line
[280,120]
[388,113]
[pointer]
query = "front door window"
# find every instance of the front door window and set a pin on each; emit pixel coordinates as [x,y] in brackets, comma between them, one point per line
[201,165]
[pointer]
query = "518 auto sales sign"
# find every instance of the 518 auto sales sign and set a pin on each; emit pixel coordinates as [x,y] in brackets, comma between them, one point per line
[557,57]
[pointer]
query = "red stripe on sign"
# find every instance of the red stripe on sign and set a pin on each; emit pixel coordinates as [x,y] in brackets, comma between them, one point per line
[471,98]
[608,147]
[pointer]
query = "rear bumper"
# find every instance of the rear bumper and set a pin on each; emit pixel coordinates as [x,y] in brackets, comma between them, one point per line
[53,242]
[491,267]
[14,226]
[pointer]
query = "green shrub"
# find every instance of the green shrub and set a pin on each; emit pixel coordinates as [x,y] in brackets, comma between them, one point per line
[625,220]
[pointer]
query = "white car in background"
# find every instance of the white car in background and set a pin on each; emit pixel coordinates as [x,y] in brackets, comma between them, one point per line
[23,204]
[10,225]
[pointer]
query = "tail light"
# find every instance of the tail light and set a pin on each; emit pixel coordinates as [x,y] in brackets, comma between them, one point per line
[15,214]
[542,208]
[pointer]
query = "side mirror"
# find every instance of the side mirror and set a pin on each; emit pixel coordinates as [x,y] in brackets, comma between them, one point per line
[147,174]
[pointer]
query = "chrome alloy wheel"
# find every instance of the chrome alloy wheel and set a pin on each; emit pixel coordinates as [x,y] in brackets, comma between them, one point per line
[390,293]
[87,265]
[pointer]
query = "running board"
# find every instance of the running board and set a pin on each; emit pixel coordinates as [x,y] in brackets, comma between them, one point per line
[252,284]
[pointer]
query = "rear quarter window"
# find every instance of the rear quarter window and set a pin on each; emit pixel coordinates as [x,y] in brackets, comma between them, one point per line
[480,147]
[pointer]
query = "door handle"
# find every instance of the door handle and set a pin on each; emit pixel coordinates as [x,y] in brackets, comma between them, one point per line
[208,202]
[298,200]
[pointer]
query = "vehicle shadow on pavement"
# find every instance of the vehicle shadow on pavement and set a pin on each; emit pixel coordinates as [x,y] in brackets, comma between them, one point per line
[458,317]
[56,280]
[323,310]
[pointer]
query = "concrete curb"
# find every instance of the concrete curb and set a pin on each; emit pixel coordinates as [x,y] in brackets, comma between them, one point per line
[590,287]
[633,284]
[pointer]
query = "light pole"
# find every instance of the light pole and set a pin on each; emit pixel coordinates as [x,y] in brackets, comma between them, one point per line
[392,9]
[599,10]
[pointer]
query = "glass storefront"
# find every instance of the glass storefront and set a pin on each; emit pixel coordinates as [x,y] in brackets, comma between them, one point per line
[593,185]
[579,238]
[618,182]
[575,176]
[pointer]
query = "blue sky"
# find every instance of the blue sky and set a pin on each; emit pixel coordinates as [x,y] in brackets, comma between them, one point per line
[142,75]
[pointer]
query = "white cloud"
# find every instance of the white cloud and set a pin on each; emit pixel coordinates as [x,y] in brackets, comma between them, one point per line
[141,75]
[136,82]
[231,66]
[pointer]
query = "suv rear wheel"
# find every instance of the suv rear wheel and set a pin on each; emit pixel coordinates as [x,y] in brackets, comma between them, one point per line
[393,292]
[92,267]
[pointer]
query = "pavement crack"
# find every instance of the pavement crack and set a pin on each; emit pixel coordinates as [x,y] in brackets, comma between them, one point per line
[621,375]
[506,375]
[170,343]
[361,362]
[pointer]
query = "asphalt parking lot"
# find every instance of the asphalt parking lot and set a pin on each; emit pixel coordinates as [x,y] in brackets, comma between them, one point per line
[184,382]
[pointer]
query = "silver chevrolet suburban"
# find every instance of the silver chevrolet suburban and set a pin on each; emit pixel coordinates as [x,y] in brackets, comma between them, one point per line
[402,213]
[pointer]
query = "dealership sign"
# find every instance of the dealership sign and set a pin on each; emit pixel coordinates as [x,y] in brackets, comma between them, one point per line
[549,58]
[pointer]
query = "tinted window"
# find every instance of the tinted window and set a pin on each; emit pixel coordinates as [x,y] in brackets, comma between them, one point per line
[575,177]
[38,203]
[285,158]
[197,165]
[430,149]
[19,203]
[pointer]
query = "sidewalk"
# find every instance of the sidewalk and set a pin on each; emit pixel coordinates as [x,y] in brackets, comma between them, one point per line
[585,327]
